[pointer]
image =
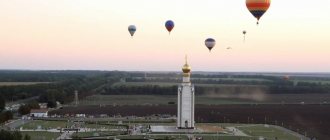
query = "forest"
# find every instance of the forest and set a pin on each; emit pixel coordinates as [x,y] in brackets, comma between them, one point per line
[60,85]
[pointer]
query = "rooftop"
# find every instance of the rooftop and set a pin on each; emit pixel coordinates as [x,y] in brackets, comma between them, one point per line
[39,110]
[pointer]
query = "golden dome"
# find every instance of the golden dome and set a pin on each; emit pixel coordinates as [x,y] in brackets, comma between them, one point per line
[186,68]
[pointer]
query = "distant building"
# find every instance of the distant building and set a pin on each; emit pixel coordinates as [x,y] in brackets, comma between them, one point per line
[81,115]
[43,105]
[39,113]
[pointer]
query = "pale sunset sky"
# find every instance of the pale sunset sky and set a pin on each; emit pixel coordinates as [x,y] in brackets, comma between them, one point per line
[293,35]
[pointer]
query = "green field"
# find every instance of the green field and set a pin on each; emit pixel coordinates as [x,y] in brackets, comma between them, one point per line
[46,124]
[95,133]
[41,135]
[253,132]
[215,99]
[103,126]
[183,137]
[312,81]
[153,99]
[21,83]
[234,79]
[167,84]
[162,84]
[268,132]
[208,78]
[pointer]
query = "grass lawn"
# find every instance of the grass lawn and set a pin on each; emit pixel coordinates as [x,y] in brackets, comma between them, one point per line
[41,135]
[215,137]
[103,126]
[153,99]
[313,81]
[92,134]
[127,100]
[162,84]
[183,137]
[167,84]
[268,132]
[45,124]
[202,99]
[21,83]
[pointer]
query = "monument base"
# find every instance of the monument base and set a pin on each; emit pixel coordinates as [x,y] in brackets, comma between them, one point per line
[172,129]
[185,127]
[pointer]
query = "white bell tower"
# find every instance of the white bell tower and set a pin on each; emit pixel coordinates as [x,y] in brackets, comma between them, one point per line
[186,101]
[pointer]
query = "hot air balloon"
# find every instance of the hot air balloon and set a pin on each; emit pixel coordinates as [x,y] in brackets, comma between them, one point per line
[210,43]
[244,33]
[258,7]
[169,25]
[132,29]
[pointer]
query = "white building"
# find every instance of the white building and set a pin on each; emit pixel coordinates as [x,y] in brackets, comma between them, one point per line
[39,113]
[43,105]
[186,101]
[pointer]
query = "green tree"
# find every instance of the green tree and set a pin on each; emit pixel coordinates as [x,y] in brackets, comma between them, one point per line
[2,103]
[51,104]
[8,115]
[7,135]
[24,109]
[17,135]
[34,105]
[27,137]
[5,116]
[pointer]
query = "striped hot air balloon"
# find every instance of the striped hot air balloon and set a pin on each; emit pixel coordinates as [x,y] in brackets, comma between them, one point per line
[258,7]
[132,29]
[210,43]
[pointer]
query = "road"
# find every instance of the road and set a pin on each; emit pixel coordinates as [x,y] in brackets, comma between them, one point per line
[65,135]
[236,132]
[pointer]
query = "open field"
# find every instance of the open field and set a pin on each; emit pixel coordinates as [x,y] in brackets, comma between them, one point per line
[42,135]
[212,99]
[164,84]
[103,126]
[21,83]
[45,124]
[167,84]
[184,137]
[313,81]
[312,119]
[96,134]
[254,132]
[267,131]
[234,79]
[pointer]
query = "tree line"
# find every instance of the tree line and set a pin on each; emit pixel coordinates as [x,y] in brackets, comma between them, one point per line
[4,115]
[62,91]
[202,90]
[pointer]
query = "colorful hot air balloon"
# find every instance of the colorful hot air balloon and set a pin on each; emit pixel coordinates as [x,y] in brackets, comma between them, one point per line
[132,29]
[169,25]
[210,43]
[258,7]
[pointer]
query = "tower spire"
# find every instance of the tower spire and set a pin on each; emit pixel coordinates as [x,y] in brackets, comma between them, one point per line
[186,68]
[186,59]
